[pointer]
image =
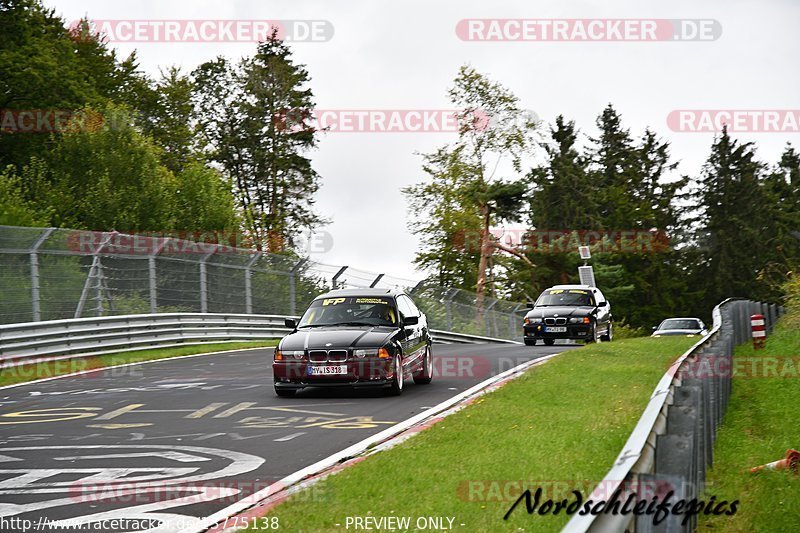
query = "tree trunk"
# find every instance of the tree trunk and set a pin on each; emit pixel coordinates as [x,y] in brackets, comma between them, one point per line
[486,251]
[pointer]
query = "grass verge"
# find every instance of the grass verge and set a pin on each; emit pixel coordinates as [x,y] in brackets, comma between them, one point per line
[759,426]
[561,424]
[25,373]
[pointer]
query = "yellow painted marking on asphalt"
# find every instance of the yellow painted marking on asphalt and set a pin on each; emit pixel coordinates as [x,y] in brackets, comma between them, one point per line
[205,410]
[117,426]
[235,409]
[292,410]
[355,422]
[120,411]
[61,414]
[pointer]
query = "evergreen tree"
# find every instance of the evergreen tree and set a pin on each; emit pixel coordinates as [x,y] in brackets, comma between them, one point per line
[735,234]
[242,107]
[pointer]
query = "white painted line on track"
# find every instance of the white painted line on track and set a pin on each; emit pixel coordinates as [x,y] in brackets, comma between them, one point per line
[290,437]
[104,368]
[356,449]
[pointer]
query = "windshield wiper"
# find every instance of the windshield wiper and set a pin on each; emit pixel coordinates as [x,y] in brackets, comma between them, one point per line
[351,324]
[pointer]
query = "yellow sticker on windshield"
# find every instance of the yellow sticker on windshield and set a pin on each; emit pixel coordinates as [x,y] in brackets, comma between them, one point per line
[333,301]
[578,292]
[556,291]
[370,301]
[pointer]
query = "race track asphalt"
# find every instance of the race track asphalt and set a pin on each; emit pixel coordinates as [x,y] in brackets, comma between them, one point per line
[187,437]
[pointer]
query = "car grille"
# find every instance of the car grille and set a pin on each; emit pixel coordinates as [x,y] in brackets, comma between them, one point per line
[327,356]
[555,321]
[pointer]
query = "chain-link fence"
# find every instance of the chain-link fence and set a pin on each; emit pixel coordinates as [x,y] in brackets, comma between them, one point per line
[50,274]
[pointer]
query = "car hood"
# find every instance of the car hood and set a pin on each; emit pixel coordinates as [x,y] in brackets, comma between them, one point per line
[661,332]
[337,338]
[542,312]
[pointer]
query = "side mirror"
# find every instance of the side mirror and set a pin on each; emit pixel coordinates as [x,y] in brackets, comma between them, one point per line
[290,323]
[411,321]
[529,305]
[602,304]
[655,328]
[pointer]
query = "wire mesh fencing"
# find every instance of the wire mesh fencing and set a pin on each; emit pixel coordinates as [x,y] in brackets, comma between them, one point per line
[55,273]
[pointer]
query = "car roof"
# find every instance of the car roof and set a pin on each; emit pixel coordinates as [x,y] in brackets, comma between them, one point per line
[586,287]
[682,318]
[360,292]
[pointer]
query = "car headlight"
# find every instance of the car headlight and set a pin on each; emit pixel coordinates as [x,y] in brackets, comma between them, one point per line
[288,354]
[579,320]
[383,353]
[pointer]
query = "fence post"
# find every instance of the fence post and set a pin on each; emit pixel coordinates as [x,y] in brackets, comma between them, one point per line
[204,282]
[248,283]
[95,261]
[36,310]
[335,279]
[293,287]
[486,317]
[448,307]
[512,322]
[151,271]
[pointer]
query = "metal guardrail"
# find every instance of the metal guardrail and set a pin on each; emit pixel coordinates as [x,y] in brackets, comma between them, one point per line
[63,339]
[672,444]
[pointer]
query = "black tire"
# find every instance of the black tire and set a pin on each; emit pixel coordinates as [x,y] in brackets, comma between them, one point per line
[530,342]
[285,393]
[426,374]
[396,389]
[593,337]
[609,336]
[549,342]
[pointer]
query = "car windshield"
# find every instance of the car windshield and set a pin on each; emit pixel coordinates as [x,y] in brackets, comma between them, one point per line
[680,323]
[569,297]
[350,311]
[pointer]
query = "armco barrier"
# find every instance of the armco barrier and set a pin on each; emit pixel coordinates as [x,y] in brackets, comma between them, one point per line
[672,444]
[81,337]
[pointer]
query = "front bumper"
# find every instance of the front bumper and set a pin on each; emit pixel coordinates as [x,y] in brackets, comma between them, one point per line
[573,331]
[366,372]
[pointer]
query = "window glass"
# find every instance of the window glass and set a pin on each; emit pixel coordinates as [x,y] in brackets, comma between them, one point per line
[366,310]
[404,306]
[567,297]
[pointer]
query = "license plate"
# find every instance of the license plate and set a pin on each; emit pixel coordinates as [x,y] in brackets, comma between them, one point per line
[336,370]
[556,329]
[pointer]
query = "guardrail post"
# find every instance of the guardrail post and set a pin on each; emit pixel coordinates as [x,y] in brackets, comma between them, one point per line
[36,311]
[675,464]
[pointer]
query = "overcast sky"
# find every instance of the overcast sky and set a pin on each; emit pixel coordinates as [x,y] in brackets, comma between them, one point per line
[404,55]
